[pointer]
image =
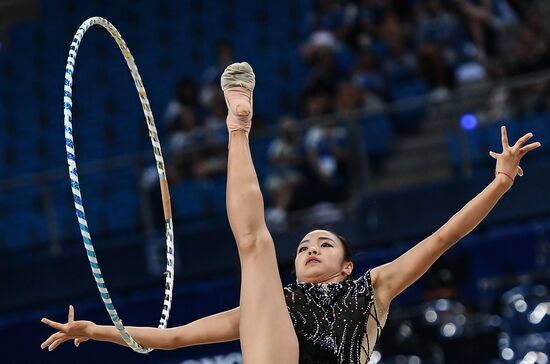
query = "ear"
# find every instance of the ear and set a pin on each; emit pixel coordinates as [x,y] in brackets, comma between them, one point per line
[347,268]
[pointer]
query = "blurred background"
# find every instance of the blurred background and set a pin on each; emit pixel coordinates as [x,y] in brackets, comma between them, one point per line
[372,117]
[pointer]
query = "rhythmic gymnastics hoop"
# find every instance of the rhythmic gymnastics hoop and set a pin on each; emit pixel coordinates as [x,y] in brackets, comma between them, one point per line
[75,186]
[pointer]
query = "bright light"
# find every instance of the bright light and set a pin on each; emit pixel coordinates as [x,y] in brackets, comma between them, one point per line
[405,330]
[442,305]
[539,312]
[507,354]
[520,305]
[468,121]
[430,316]
[448,330]
[375,357]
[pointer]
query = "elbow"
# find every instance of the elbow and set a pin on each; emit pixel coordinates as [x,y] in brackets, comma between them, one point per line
[173,340]
[445,240]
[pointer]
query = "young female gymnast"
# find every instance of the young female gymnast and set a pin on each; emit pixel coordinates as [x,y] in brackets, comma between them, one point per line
[325,317]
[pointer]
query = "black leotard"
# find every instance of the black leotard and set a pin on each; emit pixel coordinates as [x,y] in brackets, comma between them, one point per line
[331,319]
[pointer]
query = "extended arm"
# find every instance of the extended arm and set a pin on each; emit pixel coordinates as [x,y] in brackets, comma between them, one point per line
[217,328]
[392,278]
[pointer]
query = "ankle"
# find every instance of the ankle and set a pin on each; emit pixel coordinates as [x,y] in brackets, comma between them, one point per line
[238,132]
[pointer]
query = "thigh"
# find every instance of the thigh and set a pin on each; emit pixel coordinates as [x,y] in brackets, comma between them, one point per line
[266,331]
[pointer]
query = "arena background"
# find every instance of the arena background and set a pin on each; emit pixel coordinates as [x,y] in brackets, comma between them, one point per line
[372,117]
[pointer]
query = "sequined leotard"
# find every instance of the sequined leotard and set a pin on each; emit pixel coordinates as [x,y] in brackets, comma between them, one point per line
[335,322]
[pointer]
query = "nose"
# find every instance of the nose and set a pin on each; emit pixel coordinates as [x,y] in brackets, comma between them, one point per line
[313,251]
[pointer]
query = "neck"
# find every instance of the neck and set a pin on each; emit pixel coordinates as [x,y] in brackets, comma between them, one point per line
[333,278]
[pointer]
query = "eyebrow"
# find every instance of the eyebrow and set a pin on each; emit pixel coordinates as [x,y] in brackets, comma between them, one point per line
[320,238]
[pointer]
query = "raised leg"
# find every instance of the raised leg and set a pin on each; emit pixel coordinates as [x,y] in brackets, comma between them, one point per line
[266,331]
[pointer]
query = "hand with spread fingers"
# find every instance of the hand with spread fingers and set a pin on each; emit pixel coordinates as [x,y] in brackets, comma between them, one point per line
[508,161]
[80,331]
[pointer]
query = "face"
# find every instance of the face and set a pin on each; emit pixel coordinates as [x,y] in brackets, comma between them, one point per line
[320,259]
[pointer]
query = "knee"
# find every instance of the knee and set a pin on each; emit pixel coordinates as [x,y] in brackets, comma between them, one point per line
[255,245]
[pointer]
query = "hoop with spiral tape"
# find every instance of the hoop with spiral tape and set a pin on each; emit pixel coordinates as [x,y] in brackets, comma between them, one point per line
[75,186]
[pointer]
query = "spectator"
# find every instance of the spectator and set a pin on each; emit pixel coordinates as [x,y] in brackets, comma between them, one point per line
[439,44]
[211,75]
[350,98]
[319,55]
[486,19]
[532,50]
[367,73]
[186,99]
[286,175]
[327,156]
[213,160]
[401,64]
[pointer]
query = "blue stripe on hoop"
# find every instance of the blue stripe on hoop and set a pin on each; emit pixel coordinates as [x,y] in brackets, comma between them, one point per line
[78,200]
[105,296]
[83,227]
[67,105]
[80,214]
[69,142]
[74,184]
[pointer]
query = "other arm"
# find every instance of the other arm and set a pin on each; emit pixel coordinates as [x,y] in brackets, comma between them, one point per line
[216,328]
[393,278]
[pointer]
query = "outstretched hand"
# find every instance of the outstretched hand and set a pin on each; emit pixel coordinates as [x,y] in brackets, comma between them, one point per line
[80,331]
[508,160]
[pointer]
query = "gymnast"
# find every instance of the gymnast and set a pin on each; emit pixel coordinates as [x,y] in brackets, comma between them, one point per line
[325,317]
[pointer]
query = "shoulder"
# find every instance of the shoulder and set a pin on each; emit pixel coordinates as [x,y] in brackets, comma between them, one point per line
[378,287]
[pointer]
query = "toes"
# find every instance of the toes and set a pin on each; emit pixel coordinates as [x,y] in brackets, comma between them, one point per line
[238,75]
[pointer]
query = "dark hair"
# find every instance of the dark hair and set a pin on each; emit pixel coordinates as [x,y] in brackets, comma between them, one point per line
[348,252]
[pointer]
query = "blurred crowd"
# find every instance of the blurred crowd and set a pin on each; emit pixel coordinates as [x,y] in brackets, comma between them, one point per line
[359,54]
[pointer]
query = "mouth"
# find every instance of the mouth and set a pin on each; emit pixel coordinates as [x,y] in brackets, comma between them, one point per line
[312,260]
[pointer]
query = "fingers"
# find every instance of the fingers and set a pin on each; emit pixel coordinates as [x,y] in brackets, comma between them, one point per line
[80,340]
[71,313]
[55,325]
[493,154]
[504,135]
[528,148]
[520,171]
[58,342]
[522,140]
[51,339]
